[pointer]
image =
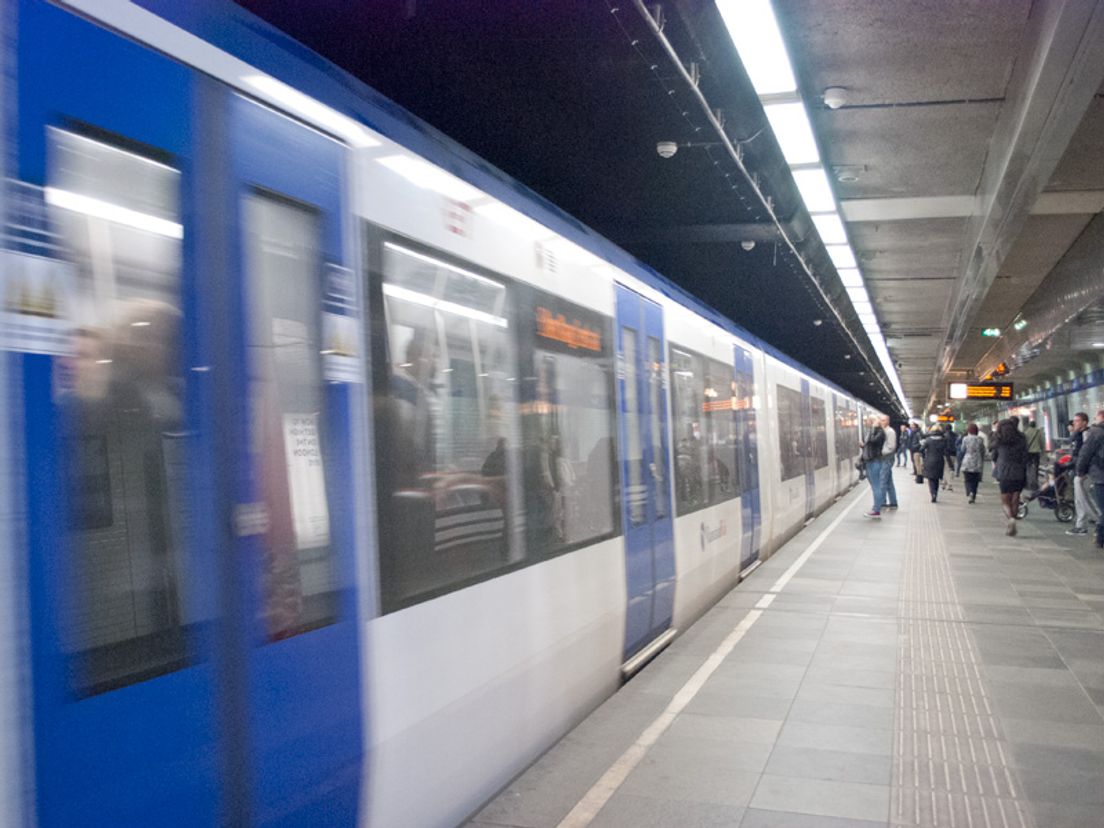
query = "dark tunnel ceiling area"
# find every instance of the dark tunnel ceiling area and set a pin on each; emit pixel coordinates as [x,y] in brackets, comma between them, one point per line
[571,98]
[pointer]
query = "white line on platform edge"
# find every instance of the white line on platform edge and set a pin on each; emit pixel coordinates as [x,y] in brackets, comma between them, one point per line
[596,798]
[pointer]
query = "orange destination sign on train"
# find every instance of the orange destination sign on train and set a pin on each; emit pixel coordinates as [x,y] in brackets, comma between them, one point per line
[573,335]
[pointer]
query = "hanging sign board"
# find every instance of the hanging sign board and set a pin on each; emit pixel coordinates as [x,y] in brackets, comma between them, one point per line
[980,391]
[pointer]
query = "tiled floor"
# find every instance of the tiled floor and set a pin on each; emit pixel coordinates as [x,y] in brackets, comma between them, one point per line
[921,670]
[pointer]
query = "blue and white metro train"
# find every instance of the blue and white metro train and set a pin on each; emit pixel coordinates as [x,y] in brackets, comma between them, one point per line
[342,475]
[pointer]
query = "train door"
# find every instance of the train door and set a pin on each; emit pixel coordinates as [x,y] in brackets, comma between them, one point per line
[748,459]
[645,476]
[290,431]
[120,540]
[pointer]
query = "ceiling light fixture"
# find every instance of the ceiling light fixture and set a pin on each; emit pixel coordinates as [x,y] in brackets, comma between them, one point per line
[830,228]
[841,255]
[793,132]
[850,277]
[754,31]
[858,294]
[815,190]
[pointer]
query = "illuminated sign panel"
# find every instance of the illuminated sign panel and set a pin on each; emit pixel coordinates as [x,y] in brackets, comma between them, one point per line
[574,334]
[979,391]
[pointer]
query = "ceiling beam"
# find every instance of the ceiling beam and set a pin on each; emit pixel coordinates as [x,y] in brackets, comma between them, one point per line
[1060,202]
[1057,74]
[703,233]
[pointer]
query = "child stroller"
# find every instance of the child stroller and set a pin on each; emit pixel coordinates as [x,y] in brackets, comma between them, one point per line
[1057,494]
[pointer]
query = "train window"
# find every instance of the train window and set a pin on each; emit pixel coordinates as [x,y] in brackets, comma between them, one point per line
[847,435]
[819,433]
[792,435]
[655,406]
[567,423]
[283,267]
[705,433]
[746,440]
[449,487]
[120,396]
[634,450]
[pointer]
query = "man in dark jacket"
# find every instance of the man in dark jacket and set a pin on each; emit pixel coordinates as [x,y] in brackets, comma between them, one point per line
[1083,500]
[1090,464]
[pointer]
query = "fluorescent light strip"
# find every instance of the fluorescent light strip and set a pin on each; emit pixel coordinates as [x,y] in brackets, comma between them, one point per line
[443,305]
[830,228]
[841,255]
[96,208]
[423,174]
[311,110]
[858,294]
[438,263]
[793,132]
[850,277]
[815,190]
[754,31]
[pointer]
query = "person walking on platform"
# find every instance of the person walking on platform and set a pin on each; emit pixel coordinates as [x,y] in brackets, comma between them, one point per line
[916,437]
[889,451]
[872,457]
[991,443]
[1090,464]
[950,449]
[1010,454]
[903,446]
[934,449]
[1084,504]
[971,454]
[1034,439]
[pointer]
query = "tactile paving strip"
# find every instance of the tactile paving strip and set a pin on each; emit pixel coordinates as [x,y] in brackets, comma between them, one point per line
[950,765]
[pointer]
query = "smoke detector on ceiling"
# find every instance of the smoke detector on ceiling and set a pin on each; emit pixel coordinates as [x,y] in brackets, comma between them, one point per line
[834,97]
[848,173]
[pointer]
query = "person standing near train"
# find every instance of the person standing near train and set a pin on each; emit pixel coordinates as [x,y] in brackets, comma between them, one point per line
[1084,504]
[903,446]
[889,452]
[1090,464]
[872,457]
[1010,455]
[1034,439]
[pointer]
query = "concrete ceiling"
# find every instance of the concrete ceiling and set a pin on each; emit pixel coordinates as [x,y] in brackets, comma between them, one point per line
[932,97]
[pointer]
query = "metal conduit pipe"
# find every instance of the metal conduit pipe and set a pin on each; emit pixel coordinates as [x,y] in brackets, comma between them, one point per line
[657,31]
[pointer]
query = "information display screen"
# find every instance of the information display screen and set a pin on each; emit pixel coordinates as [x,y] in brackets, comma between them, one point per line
[980,391]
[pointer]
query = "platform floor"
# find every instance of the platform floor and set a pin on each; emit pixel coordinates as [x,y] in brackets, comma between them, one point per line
[924,669]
